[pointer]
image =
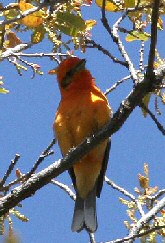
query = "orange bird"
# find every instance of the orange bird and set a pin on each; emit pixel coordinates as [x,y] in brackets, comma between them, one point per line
[83,110]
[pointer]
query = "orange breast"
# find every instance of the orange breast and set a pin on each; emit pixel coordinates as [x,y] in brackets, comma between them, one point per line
[77,118]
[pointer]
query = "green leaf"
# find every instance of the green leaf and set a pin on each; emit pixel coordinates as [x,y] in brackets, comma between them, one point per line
[70,24]
[38,35]
[146,101]
[129,3]
[10,14]
[137,35]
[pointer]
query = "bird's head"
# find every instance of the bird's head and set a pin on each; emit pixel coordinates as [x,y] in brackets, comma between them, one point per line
[68,69]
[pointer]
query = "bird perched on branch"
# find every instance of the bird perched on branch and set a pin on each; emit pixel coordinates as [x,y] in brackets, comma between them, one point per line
[83,110]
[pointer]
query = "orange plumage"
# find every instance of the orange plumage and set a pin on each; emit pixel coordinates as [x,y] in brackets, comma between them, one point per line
[83,110]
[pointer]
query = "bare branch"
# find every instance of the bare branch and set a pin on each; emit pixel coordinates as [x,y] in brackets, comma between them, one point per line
[154,21]
[10,169]
[120,189]
[115,37]
[141,63]
[51,54]
[117,84]
[65,188]
[12,51]
[44,154]
[125,193]
[104,51]
[128,238]
[122,50]
[159,125]
[146,218]
[158,195]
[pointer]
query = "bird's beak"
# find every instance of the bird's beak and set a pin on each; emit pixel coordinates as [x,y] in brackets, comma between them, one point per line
[69,75]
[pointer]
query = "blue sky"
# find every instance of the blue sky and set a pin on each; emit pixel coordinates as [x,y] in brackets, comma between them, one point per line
[27,115]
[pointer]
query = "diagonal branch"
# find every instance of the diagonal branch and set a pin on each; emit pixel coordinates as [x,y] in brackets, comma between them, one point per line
[158,124]
[37,181]
[145,233]
[154,22]
[92,44]
[147,217]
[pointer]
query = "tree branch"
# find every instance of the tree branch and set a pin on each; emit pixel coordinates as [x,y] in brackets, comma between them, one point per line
[64,188]
[93,44]
[10,169]
[147,217]
[158,124]
[154,22]
[113,87]
[120,189]
[128,238]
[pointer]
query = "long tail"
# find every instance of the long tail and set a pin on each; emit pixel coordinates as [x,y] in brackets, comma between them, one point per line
[85,213]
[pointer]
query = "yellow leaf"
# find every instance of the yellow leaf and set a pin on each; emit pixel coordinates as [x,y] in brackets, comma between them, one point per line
[160,23]
[109,6]
[4,91]
[32,20]
[137,35]
[90,23]
[144,181]
[163,98]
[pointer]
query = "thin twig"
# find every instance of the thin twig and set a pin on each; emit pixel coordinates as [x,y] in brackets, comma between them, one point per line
[44,154]
[12,183]
[65,188]
[115,37]
[141,62]
[104,51]
[31,65]
[10,169]
[158,195]
[117,84]
[159,125]
[157,109]
[120,189]
[47,152]
[128,238]
[126,193]
[41,54]
[122,50]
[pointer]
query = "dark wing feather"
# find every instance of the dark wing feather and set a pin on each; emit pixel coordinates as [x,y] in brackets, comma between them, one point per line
[72,175]
[103,170]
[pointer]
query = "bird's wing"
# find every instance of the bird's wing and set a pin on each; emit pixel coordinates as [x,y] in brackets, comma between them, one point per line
[103,169]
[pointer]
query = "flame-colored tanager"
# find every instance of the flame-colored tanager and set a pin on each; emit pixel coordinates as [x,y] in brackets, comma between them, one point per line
[83,110]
